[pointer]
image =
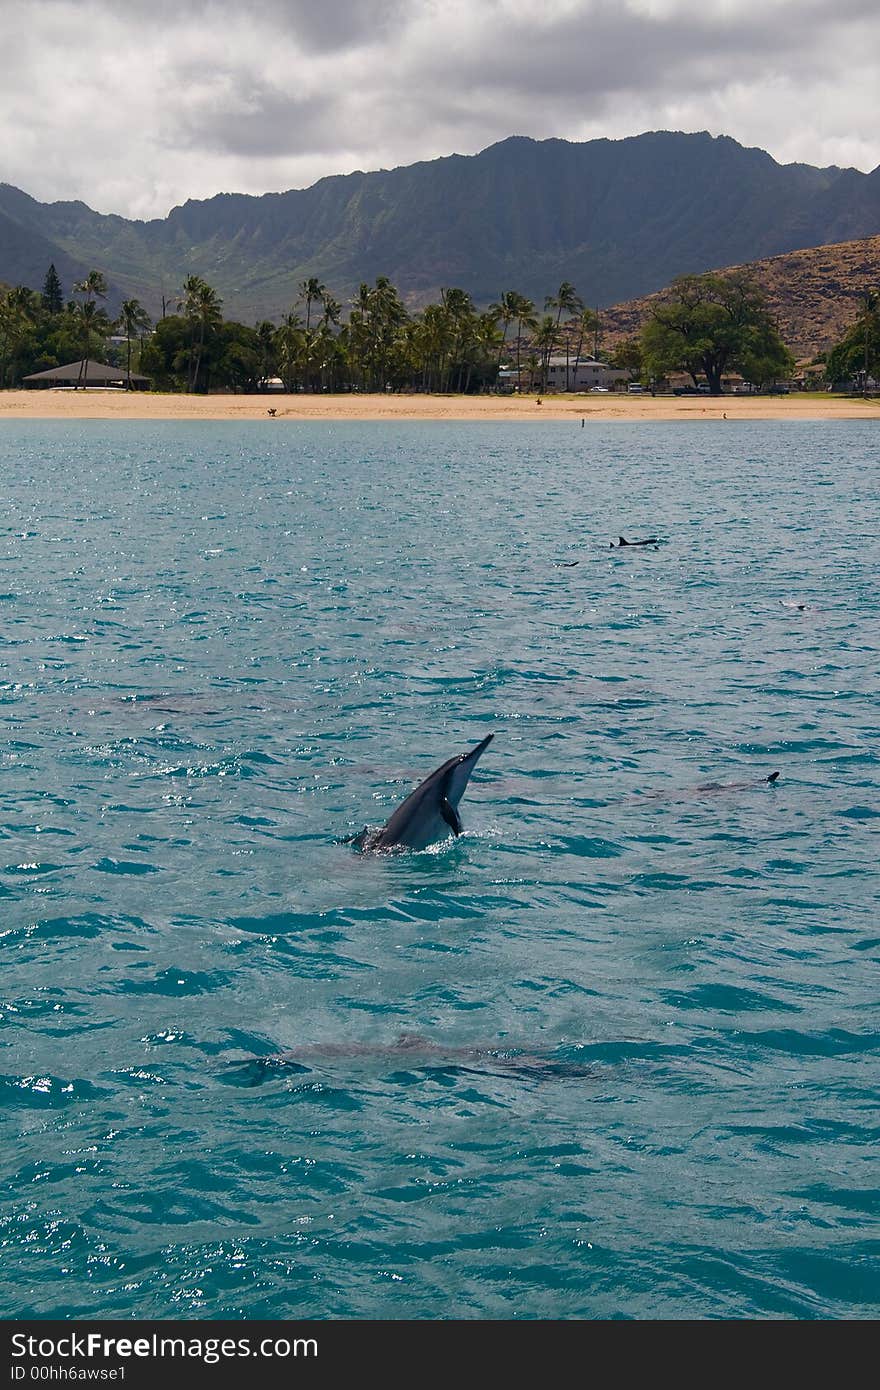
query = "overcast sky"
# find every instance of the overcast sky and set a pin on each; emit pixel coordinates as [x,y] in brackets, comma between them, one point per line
[135,105]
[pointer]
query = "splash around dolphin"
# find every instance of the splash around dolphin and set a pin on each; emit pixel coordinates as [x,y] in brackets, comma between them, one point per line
[430,813]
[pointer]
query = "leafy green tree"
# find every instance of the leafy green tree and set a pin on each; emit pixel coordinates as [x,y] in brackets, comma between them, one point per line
[711,324]
[16,333]
[166,354]
[628,356]
[56,340]
[235,357]
[857,356]
[231,356]
[766,360]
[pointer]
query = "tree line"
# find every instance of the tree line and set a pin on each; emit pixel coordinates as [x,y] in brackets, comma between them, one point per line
[704,325]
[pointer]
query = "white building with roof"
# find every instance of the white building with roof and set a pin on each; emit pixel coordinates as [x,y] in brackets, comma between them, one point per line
[580,374]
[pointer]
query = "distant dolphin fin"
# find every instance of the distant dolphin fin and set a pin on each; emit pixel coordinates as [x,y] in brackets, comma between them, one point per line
[451,817]
[773,776]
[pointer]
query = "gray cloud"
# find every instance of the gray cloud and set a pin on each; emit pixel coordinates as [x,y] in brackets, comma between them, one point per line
[215,96]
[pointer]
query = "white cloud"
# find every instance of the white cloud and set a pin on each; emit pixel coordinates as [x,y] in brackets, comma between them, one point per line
[134,108]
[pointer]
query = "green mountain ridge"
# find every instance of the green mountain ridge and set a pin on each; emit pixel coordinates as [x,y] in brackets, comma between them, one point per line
[617,218]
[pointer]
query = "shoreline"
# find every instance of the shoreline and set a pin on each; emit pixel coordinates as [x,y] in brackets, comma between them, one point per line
[111,404]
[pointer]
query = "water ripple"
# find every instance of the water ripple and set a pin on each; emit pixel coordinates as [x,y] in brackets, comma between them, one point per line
[637,997]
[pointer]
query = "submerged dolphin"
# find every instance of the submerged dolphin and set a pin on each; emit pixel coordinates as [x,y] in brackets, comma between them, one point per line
[735,786]
[650,540]
[430,812]
[420,1052]
[708,788]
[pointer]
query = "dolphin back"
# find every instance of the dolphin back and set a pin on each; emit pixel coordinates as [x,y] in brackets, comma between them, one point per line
[430,812]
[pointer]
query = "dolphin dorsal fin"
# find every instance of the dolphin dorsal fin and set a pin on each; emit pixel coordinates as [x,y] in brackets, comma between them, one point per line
[773,776]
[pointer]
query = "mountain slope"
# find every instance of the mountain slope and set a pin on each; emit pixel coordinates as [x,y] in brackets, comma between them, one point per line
[25,256]
[814,295]
[617,218]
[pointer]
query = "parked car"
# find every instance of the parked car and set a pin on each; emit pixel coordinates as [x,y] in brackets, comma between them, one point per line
[635,388]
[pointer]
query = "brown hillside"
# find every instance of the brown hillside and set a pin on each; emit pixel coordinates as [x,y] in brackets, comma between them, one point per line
[814,295]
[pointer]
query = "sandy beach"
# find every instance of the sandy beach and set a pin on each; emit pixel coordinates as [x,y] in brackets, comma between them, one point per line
[97,404]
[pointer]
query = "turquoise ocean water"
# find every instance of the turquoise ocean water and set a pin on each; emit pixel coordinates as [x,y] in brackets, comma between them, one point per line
[646,1081]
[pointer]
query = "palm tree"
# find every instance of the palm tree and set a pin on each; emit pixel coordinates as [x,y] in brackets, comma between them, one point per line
[588,322]
[385,320]
[133,317]
[266,339]
[311,290]
[533,365]
[94,323]
[566,298]
[458,309]
[426,337]
[505,310]
[330,311]
[524,311]
[489,342]
[358,332]
[94,286]
[289,347]
[544,339]
[201,306]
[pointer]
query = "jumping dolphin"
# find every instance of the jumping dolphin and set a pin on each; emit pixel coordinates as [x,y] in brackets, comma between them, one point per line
[431,811]
[621,540]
